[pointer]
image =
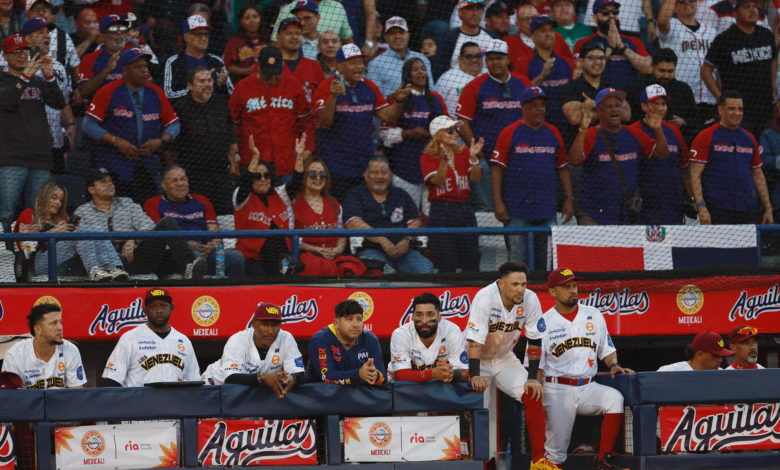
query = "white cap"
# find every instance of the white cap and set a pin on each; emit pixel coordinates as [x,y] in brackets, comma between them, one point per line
[497,45]
[396,22]
[653,92]
[442,122]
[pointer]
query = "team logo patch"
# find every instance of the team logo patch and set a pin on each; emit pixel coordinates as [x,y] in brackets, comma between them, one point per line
[366,302]
[181,347]
[275,360]
[205,310]
[720,343]
[47,299]
[93,443]
[655,233]
[567,272]
[362,355]
[442,349]
[541,326]
[80,373]
[61,367]
[690,299]
[464,357]
[299,361]
[589,326]
[380,434]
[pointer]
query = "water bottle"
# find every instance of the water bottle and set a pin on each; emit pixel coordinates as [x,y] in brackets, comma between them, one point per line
[580,15]
[219,271]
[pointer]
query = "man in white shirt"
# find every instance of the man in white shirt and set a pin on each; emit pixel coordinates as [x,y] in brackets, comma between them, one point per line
[743,341]
[451,83]
[46,360]
[706,352]
[152,352]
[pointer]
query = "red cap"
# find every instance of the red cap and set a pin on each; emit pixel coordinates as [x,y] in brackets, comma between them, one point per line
[158,293]
[14,42]
[561,276]
[10,380]
[743,332]
[711,342]
[267,311]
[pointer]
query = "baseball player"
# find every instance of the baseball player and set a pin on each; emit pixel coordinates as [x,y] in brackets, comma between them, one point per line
[154,351]
[498,313]
[428,347]
[574,338]
[263,354]
[742,340]
[706,352]
[46,360]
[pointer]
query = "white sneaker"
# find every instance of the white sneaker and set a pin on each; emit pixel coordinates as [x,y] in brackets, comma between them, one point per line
[118,274]
[98,274]
[197,269]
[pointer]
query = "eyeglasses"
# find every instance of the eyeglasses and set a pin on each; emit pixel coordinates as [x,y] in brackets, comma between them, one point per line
[262,176]
[116,29]
[597,58]
[472,56]
[452,130]
[317,174]
[682,2]
[611,11]
[748,331]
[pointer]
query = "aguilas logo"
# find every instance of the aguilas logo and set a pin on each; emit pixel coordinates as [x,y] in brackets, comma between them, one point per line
[273,440]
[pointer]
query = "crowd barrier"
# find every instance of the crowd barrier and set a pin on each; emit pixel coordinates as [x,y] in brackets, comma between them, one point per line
[296,236]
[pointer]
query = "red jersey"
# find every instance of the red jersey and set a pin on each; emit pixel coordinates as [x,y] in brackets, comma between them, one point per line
[456,183]
[519,50]
[309,72]
[306,218]
[272,115]
[252,214]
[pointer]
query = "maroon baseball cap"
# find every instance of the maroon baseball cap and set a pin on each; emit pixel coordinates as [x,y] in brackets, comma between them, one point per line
[9,380]
[561,276]
[267,311]
[743,332]
[158,293]
[711,342]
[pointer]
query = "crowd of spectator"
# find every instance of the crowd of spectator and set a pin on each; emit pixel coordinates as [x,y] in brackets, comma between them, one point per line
[378,113]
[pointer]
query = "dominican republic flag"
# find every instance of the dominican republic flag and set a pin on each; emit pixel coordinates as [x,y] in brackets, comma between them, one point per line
[653,247]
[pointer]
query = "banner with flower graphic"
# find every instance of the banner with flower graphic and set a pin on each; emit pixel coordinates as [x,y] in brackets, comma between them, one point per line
[7,457]
[122,446]
[396,439]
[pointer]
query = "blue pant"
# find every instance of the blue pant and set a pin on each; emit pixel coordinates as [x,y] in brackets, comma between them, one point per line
[516,244]
[451,249]
[411,262]
[481,191]
[234,263]
[92,253]
[14,180]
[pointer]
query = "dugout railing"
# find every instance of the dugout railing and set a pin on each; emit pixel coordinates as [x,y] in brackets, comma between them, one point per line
[295,236]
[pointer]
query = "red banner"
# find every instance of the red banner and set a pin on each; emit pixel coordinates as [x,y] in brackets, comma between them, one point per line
[631,307]
[232,442]
[7,455]
[710,428]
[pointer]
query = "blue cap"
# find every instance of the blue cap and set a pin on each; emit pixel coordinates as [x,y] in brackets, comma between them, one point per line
[740,2]
[531,93]
[541,20]
[309,5]
[287,22]
[607,92]
[131,55]
[193,23]
[108,20]
[599,4]
[348,51]
[34,24]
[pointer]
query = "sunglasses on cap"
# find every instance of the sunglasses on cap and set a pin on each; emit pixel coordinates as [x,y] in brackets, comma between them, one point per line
[748,331]
[313,174]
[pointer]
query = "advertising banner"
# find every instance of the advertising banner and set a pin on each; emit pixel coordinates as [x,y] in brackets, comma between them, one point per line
[234,442]
[708,428]
[631,307]
[122,446]
[7,454]
[407,438]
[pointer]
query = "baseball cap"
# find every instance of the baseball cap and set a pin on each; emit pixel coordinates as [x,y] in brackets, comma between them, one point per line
[131,55]
[131,20]
[607,92]
[10,380]
[31,3]
[157,293]
[442,122]
[653,92]
[592,46]
[599,4]
[293,20]
[396,22]
[531,93]
[309,5]
[109,20]
[14,42]
[561,276]
[267,311]
[498,46]
[496,9]
[542,20]
[348,51]
[194,22]
[740,2]
[98,174]
[468,3]
[34,24]
[743,332]
[270,60]
[711,342]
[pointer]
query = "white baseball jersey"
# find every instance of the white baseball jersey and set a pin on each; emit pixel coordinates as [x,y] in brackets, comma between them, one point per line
[573,348]
[64,369]
[141,357]
[408,352]
[497,328]
[691,48]
[677,366]
[240,356]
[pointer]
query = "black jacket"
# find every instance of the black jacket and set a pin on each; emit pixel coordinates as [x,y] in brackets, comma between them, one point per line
[175,84]
[681,103]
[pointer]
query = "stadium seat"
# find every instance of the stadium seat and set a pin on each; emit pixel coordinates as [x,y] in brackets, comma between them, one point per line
[78,163]
[77,190]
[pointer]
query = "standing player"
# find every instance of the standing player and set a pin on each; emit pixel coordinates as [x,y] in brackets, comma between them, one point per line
[742,340]
[263,354]
[343,353]
[45,360]
[574,338]
[498,313]
[428,347]
[154,351]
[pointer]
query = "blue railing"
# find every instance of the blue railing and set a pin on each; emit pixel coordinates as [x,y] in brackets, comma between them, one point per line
[296,235]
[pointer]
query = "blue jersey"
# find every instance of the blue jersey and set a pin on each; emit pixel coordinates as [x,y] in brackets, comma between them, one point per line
[406,159]
[530,158]
[396,211]
[559,76]
[94,63]
[195,213]
[330,362]
[730,156]
[490,106]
